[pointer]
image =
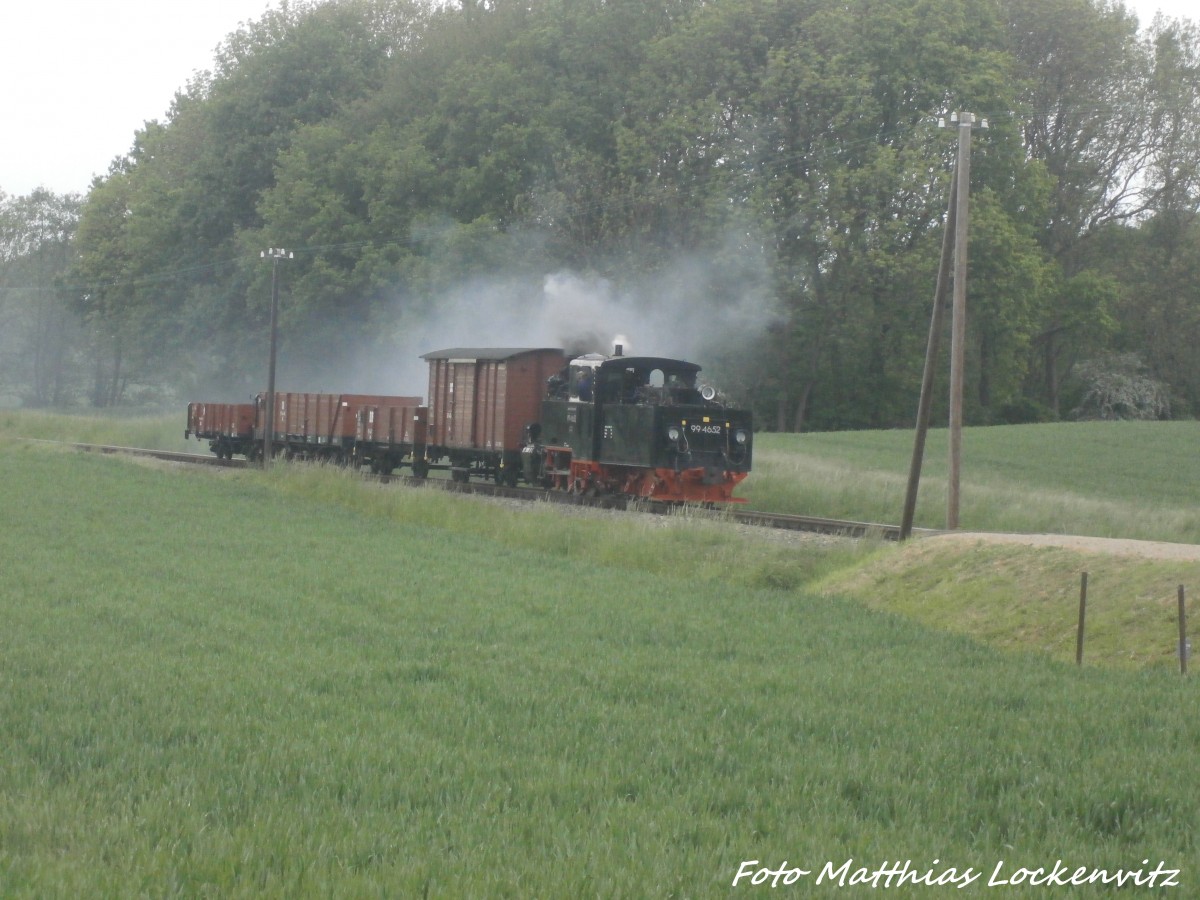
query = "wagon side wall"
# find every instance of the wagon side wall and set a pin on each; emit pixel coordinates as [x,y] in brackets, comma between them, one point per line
[519,397]
[485,404]
[452,402]
[212,420]
[392,425]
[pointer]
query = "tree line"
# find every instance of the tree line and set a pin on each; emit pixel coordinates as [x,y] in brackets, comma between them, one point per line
[766,177]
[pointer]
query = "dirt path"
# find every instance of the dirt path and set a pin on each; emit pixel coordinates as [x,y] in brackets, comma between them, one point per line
[1109,546]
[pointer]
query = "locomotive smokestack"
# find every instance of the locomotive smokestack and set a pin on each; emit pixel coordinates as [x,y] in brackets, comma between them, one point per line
[618,349]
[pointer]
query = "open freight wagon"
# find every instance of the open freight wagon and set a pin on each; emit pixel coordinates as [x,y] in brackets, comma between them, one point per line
[321,426]
[390,436]
[228,427]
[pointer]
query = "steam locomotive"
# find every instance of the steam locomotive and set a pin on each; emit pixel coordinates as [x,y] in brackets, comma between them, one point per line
[593,424]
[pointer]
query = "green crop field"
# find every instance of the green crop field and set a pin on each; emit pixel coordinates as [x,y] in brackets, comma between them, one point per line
[1116,479]
[229,683]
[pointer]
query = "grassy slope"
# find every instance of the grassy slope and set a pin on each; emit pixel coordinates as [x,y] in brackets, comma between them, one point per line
[1027,599]
[1116,479]
[231,702]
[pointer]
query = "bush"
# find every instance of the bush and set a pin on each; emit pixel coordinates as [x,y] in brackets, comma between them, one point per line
[1118,387]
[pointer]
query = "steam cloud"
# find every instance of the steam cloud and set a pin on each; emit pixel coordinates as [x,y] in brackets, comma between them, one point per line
[685,311]
[669,316]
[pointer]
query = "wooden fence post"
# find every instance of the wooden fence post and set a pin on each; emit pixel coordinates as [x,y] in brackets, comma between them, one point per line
[1183,642]
[1082,611]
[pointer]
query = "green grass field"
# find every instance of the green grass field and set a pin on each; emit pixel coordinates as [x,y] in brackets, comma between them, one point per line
[226,683]
[1110,479]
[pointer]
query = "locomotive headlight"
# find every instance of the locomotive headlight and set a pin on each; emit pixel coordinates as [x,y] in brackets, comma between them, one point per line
[674,433]
[740,436]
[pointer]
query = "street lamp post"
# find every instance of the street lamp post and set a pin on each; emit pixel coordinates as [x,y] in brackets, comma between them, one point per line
[275,254]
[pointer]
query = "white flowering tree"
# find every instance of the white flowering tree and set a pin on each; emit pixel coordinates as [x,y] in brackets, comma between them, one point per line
[1118,386]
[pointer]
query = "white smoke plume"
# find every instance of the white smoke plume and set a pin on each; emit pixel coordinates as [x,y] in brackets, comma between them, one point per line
[671,314]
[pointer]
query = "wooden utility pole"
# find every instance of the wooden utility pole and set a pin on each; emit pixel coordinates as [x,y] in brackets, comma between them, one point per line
[931,355]
[956,226]
[275,254]
[958,331]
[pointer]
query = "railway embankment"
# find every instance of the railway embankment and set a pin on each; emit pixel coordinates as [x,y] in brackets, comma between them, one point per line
[1021,592]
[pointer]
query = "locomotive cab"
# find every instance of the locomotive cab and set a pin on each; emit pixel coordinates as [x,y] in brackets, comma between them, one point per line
[581,377]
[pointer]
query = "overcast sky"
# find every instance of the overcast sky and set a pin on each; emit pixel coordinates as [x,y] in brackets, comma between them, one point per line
[79,77]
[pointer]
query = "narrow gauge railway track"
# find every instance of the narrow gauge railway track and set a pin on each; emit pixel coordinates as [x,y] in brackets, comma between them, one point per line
[782,521]
[841,527]
[200,459]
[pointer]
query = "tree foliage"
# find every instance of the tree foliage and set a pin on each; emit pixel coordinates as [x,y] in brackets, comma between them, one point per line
[766,174]
[38,331]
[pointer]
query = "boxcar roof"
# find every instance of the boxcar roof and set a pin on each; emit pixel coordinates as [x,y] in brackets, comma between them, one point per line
[497,353]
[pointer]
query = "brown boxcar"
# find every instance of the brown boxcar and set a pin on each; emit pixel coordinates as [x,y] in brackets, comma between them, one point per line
[228,427]
[480,402]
